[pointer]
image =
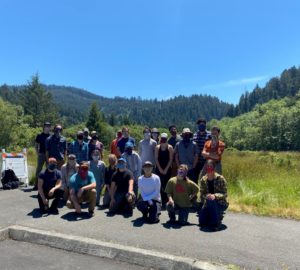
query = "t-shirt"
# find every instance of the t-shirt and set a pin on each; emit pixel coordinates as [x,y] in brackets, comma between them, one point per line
[108,175]
[41,140]
[121,180]
[76,182]
[56,147]
[180,190]
[173,140]
[81,151]
[186,153]
[200,140]
[50,178]
[211,186]
[218,149]
[121,143]
[149,187]
[147,150]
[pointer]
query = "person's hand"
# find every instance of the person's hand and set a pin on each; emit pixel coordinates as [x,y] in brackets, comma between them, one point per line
[79,193]
[165,171]
[161,170]
[46,202]
[211,197]
[51,192]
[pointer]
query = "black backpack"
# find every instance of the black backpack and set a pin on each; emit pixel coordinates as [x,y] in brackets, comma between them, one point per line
[10,180]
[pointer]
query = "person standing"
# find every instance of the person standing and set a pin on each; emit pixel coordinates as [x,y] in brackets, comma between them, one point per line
[56,146]
[86,135]
[95,144]
[114,144]
[155,134]
[174,139]
[200,137]
[40,147]
[79,148]
[147,147]
[122,142]
[149,202]
[186,152]
[164,158]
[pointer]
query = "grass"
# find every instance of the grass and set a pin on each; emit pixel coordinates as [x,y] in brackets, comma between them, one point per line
[260,183]
[263,183]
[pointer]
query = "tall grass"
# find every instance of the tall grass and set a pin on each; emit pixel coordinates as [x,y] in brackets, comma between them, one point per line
[263,183]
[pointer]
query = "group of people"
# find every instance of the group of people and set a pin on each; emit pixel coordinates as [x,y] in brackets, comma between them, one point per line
[176,173]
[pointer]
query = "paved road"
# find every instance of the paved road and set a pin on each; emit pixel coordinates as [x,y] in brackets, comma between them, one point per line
[248,241]
[23,256]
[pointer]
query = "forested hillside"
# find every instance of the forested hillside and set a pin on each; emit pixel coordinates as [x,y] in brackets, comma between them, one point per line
[73,105]
[286,85]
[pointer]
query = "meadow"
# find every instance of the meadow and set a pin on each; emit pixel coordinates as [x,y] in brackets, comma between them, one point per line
[260,183]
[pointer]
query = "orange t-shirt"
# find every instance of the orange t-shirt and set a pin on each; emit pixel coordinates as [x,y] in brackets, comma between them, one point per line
[217,149]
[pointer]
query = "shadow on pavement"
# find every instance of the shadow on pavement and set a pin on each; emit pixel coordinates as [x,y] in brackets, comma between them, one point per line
[171,225]
[72,216]
[35,213]
[223,227]
[139,222]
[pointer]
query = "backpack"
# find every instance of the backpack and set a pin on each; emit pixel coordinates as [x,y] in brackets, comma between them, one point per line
[10,180]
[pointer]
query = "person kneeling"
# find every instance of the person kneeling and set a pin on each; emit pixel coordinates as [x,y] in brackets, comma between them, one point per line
[83,188]
[49,183]
[181,192]
[150,201]
[121,190]
[213,191]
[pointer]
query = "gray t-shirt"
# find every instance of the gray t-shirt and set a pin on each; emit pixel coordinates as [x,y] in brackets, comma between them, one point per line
[186,153]
[147,150]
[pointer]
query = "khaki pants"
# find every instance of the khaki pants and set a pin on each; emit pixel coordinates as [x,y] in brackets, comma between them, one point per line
[88,196]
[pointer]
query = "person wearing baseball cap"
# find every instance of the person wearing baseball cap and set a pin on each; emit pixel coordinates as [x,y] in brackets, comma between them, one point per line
[134,163]
[149,202]
[121,190]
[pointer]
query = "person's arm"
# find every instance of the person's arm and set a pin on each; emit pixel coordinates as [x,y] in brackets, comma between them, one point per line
[37,144]
[65,150]
[177,154]
[41,191]
[171,156]
[195,190]
[206,154]
[47,144]
[169,191]
[130,188]
[203,190]
[156,159]
[139,166]
[222,194]
[140,148]
[92,184]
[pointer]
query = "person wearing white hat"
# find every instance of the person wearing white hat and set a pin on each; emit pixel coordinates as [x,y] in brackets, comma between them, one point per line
[186,152]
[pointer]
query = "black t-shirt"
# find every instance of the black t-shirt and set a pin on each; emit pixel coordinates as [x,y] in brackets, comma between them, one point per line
[122,180]
[50,178]
[108,175]
[211,186]
[41,140]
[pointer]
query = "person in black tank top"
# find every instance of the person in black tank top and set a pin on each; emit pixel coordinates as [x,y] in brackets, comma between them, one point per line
[164,158]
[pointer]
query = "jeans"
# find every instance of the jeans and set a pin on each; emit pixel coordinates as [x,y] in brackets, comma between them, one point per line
[151,211]
[121,203]
[211,213]
[41,160]
[183,213]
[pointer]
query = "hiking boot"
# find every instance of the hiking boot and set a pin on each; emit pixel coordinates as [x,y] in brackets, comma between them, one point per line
[91,213]
[53,211]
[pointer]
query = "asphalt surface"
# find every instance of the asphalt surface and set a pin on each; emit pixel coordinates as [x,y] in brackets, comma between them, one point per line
[248,241]
[23,256]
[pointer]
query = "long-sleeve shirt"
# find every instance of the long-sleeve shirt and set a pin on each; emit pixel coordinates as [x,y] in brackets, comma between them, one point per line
[149,187]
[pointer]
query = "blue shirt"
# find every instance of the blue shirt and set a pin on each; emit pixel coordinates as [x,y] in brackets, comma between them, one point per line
[56,147]
[76,182]
[98,169]
[123,141]
[50,178]
[81,151]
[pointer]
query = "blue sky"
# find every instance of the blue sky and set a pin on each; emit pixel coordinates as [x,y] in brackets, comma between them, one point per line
[153,49]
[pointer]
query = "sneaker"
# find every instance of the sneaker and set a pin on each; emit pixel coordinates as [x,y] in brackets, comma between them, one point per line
[171,221]
[69,204]
[53,211]
[91,213]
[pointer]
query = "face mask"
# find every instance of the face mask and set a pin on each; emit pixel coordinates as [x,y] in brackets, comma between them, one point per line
[147,136]
[121,166]
[52,166]
[83,173]
[80,137]
[181,173]
[95,158]
[148,170]
[129,151]
[72,162]
[57,132]
[202,127]
[163,140]
[155,136]
[46,129]
[210,170]
[186,138]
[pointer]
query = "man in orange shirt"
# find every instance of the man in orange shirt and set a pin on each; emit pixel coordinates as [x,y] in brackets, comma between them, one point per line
[113,145]
[213,150]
